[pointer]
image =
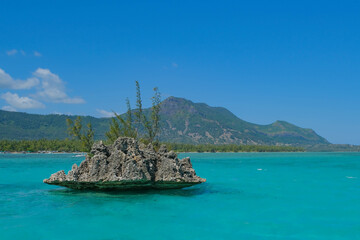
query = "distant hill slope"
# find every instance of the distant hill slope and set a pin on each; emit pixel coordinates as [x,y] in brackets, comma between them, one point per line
[17,125]
[185,121]
[181,121]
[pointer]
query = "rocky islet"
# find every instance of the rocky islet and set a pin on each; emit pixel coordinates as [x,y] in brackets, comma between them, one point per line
[126,165]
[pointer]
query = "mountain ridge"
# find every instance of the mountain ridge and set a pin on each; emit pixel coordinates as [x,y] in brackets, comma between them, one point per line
[227,127]
[182,121]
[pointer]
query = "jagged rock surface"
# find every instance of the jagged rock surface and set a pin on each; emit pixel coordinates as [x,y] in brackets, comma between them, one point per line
[128,165]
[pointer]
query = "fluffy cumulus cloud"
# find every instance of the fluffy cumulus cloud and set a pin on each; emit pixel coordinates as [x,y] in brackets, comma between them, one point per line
[104,113]
[53,88]
[6,81]
[46,87]
[17,102]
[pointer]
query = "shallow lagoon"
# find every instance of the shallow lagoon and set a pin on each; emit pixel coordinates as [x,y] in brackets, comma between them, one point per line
[246,196]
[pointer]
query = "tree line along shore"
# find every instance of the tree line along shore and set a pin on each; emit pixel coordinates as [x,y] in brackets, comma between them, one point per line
[73,145]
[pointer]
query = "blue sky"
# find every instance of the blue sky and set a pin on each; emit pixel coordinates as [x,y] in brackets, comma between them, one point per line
[297,61]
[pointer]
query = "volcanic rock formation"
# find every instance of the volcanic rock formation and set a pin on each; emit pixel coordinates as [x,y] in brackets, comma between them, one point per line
[128,165]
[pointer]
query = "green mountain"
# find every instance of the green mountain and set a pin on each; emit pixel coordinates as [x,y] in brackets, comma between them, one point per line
[188,122]
[182,121]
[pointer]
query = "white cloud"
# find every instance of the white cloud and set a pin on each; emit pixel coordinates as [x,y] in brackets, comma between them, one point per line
[12,52]
[60,113]
[6,81]
[104,113]
[57,113]
[53,88]
[17,102]
[37,54]
[74,100]
[9,108]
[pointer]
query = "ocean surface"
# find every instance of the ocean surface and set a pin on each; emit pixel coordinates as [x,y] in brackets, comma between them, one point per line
[246,196]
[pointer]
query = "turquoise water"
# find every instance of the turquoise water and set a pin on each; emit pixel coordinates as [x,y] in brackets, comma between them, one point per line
[246,196]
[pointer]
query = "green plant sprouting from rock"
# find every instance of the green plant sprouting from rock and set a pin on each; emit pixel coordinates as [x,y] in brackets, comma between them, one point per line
[129,127]
[150,124]
[120,127]
[86,136]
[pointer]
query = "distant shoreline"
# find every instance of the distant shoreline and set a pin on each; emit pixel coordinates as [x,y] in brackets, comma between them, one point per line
[68,146]
[75,146]
[43,153]
[84,154]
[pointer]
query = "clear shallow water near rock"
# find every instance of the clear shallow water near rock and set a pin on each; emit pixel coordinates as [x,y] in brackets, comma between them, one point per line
[247,195]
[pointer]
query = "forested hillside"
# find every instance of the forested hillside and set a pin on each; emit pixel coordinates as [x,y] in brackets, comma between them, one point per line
[182,121]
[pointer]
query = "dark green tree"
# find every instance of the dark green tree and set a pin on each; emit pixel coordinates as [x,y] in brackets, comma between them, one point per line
[129,127]
[121,127]
[155,112]
[151,126]
[74,128]
[87,139]
[85,136]
[139,111]
[114,131]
